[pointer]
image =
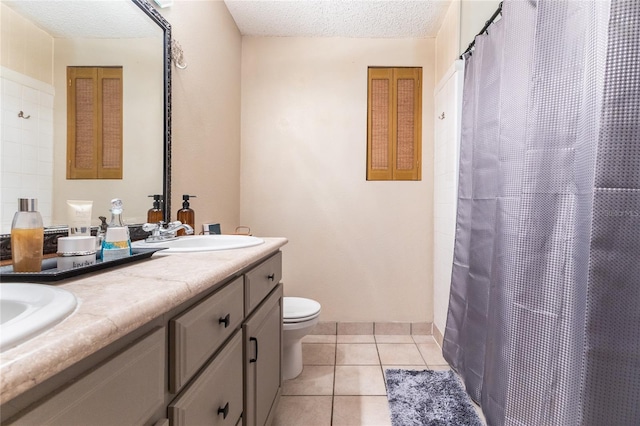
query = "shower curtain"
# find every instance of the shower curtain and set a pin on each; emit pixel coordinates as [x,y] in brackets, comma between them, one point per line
[543,323]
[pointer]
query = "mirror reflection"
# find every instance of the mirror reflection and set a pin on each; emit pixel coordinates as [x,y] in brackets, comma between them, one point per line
[40,39]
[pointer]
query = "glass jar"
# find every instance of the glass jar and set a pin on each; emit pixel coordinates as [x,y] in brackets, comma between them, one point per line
[27,237]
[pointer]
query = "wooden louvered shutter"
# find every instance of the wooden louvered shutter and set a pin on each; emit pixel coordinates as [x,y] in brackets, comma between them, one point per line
[94,123]
[394,129]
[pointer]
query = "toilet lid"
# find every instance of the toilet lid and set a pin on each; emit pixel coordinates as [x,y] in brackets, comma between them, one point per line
[296,308]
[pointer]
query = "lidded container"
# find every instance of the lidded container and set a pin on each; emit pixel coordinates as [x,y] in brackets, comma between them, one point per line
[27,237]
[76,252]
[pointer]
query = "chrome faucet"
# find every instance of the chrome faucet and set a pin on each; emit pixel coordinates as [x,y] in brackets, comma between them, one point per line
[161,233]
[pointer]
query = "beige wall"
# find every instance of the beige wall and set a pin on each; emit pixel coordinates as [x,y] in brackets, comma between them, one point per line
[448,40]
[206,112]
[473,15]
[25,48]
[362,249]
[464,19]
[141,61]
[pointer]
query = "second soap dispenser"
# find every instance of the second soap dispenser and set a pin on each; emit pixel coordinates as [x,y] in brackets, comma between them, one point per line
[186,214]
[155,214]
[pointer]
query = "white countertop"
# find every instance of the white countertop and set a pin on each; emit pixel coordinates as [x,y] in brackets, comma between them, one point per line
[115,302]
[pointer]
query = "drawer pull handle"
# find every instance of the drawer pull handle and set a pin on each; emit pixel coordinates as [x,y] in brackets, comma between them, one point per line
[271,277]
[224,410]
[226,320]
[253,339]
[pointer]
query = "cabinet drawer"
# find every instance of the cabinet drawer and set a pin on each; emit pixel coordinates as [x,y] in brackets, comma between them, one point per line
[259,281]
[128,388]
[198,333]
[218,389]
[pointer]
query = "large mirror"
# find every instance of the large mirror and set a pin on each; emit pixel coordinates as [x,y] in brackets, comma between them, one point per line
[51,36]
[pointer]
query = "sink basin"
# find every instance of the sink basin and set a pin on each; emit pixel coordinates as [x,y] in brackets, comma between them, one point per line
[198,243]
[29,309]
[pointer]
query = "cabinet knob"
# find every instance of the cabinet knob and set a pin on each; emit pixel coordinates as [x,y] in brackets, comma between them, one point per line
[226,320]
[271,277]
[224,410]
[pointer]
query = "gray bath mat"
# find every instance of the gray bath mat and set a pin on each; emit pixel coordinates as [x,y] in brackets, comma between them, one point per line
[428,398]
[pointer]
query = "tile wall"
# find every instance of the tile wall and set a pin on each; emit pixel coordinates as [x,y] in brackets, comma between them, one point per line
[26,145]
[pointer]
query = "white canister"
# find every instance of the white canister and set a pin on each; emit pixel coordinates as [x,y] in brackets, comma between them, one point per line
[76,252]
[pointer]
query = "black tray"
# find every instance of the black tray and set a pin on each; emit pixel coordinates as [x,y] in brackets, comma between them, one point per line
[51,273]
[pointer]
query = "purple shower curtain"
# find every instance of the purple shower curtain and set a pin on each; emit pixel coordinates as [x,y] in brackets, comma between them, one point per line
[544,312]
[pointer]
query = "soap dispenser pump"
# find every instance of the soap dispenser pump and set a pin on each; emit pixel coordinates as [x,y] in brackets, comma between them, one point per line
[155,214]
[186,214]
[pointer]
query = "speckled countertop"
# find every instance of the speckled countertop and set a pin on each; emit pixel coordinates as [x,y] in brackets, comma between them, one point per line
[114,302]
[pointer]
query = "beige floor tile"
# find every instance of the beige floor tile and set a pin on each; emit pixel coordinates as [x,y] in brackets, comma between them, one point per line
[359,380]
[394,338]
[396,354]
[318,353]
[421,328]
[303,410]
[361,411]
[420,338]
[355,328]
[319,338]
[314,380]
[432,354]
[393,328]
[356,338]
[357,354]
[325,327]
[439,367]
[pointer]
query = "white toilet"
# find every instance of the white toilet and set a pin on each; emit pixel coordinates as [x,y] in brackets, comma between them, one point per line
[300,315]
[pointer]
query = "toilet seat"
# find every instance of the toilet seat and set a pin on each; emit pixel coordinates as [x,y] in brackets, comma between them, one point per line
[299,309]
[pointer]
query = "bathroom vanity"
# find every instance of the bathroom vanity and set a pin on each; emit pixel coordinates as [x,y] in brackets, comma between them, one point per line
[186,339]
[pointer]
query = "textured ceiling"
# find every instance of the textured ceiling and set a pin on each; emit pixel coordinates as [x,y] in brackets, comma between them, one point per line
[339,18]
[87,18]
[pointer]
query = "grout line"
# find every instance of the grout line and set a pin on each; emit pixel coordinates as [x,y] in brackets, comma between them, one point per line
[333,391]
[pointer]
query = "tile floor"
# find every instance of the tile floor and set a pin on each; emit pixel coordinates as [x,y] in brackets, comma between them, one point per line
[342,382]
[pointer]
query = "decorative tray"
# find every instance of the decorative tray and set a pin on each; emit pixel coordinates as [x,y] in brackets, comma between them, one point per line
[51,273]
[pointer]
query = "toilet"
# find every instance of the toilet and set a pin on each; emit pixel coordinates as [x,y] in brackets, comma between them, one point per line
[299,316]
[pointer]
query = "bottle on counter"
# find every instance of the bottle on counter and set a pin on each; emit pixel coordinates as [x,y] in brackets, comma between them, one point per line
[27,237]
[116,243]
[155,214]
[186,214]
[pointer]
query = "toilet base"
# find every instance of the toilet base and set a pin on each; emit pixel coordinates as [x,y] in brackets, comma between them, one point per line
[292,360]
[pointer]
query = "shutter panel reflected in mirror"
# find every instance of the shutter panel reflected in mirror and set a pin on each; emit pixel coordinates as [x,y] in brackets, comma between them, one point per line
[94,123]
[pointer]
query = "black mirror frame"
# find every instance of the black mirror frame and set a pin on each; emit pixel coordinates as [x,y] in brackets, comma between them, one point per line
[156,17]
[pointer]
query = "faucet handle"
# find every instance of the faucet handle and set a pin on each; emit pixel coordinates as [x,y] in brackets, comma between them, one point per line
[150,227]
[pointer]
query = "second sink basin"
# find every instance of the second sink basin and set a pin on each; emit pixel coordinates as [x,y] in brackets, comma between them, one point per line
[198,243]
[28,309]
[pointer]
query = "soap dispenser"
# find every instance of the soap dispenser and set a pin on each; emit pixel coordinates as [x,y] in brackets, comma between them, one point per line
[186,215]
[155,214]
[116,243]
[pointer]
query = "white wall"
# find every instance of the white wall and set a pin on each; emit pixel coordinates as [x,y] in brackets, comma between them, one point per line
[26,145]
[448,106]
[362,249]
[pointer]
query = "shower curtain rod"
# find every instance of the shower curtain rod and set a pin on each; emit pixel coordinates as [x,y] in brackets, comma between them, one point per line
[484,29]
